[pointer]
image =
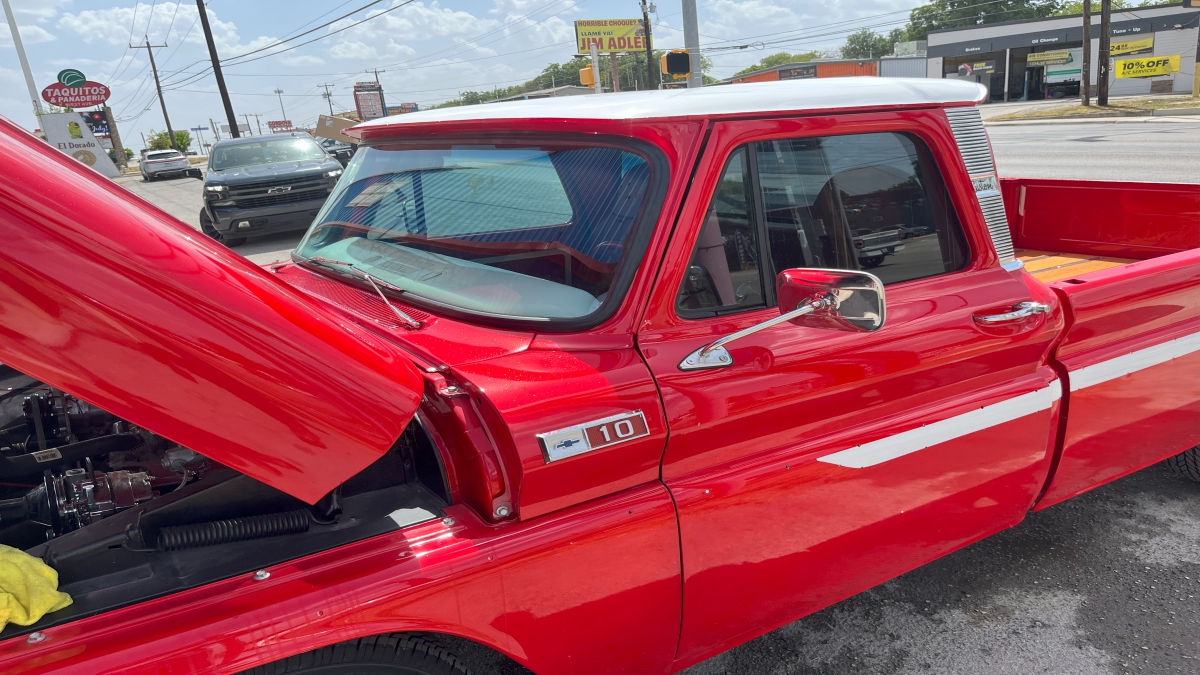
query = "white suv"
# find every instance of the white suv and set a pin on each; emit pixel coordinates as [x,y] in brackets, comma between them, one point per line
[159,163]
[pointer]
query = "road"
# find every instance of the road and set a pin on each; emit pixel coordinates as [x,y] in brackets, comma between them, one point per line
[1106,583]
[182,198]
[1135,149]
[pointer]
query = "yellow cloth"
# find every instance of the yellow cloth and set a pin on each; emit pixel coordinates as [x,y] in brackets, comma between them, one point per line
[28,588]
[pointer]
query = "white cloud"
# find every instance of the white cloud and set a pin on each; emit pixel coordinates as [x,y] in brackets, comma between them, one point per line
[30,35]
[170,22]
[301,60]
[40,10]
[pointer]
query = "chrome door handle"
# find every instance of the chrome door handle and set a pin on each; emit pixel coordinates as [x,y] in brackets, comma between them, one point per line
[1020,311]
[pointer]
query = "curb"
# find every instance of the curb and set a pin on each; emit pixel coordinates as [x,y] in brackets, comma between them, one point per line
[1162,112]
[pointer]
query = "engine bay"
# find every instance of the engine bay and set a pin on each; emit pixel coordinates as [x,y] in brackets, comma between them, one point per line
[123,514]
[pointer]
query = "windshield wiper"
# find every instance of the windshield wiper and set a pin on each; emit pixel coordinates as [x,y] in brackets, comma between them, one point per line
[375,282]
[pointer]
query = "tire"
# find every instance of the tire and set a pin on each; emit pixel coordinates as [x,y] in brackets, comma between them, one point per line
[872,262]
[1186,463]
[396,654]
[207,228]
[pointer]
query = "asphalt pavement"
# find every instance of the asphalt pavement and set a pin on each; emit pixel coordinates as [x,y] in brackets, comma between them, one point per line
[1106,583]
[1154,149]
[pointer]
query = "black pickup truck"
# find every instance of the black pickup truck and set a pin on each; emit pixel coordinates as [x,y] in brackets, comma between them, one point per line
[265,184]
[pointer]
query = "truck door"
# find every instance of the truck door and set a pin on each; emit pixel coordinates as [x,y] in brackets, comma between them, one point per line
[817,463]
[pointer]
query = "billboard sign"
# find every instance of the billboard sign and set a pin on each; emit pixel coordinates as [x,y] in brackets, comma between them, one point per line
[976,68]
[1147,67]
[1131,47]
[1055,58]
[277,126]
[71,135]
[368,99]
[798,73]
[610,36]
[74,90]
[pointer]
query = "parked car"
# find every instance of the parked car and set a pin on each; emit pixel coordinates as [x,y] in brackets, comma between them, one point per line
[529,387]
[340,151]
[157,164]
[265,184]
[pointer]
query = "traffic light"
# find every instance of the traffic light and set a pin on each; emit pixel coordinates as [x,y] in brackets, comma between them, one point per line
[587,77]
[677,63]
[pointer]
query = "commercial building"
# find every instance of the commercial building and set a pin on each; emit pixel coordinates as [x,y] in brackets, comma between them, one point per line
[1153,51]
[810,69]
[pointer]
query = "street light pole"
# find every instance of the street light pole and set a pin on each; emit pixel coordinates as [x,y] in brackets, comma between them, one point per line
[16,36]
[279,93]
[216,65]
[691,41]
[1102,61]
[1085,80]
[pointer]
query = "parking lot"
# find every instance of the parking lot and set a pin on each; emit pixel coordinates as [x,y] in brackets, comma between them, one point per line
[1106,583]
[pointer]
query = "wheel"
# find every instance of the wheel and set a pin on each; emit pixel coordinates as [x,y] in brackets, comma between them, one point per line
[206,227]
[1186,463]
[146,178]
[871,262]
[378,655]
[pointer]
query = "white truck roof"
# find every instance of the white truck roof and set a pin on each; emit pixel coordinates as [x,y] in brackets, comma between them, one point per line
[733,99]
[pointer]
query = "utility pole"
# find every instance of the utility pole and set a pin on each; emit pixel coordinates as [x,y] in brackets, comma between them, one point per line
[616,73]
[1085,80]
[217,131]
[158,86]
[1102,71]
[115,137]
[328,96]
[216,66]
[691,41]
[376,71]
[16,36]
[279,93]
[596,67]
[257,122]
[646,9]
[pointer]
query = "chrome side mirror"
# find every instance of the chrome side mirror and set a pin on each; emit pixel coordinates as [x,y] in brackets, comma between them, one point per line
[853,301]
[831,299]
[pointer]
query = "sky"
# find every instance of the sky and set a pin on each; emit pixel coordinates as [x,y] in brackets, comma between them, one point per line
[427,50]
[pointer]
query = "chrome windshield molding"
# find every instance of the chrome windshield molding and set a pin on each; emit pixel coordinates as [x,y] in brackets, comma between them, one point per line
[715,355]
[1013,265]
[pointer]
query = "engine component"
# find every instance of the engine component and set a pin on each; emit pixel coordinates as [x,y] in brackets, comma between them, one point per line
[35,462]
[234,529]
[79,497]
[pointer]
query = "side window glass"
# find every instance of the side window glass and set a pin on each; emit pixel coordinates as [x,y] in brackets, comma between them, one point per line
[871,202]
[899,219]
[724,272]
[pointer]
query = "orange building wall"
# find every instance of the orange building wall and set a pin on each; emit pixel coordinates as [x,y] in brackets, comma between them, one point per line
[769,76]
[847,69]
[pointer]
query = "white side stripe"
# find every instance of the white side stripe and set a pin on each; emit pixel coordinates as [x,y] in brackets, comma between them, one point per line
[884,449]
[1135,361]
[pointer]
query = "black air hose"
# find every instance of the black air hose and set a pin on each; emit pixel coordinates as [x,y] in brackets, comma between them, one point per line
[29,463]
[234,529]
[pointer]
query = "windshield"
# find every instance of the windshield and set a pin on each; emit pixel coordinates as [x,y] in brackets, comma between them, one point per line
[526,232]
[266,152]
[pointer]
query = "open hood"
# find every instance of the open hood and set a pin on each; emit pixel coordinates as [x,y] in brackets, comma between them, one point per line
[114,301]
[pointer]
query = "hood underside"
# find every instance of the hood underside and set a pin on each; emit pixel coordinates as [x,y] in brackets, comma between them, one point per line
[112,300]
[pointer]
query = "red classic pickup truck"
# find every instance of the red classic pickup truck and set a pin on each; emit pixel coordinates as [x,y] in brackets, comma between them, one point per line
[605,384]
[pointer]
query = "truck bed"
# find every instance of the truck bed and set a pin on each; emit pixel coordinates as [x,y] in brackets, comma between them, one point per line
[1047,266]
[1123,259]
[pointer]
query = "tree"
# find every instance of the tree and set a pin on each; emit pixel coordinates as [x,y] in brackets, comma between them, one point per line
[780,59]
[940,14]
[867,44]
[1074,7]
[159,140]
[128,153]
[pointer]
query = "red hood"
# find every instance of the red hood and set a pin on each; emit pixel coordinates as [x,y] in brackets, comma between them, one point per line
[114,301]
